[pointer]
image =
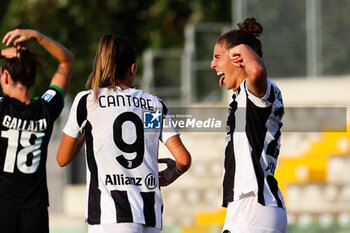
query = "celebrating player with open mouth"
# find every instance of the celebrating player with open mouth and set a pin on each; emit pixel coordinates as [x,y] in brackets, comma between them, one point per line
[122,127]
[250,191]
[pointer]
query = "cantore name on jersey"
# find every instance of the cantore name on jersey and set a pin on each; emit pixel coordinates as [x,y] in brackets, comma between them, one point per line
[122,132]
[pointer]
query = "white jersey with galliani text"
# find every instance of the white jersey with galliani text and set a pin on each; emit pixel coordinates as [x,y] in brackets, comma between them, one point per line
[122,133]
[252,146]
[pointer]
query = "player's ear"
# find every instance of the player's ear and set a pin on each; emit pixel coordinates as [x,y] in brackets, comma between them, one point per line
[133,69]
[6,76]
[5,81]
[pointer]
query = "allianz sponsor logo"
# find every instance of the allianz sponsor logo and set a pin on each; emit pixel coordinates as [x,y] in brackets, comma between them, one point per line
[122,180]
[150,181]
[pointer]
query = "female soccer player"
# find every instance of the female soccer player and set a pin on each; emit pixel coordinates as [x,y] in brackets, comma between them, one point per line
[121,127]
[250,191]
[25,130]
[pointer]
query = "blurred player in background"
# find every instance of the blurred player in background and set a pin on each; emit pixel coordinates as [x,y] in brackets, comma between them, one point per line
[26,127]
[122,127]
[250,191]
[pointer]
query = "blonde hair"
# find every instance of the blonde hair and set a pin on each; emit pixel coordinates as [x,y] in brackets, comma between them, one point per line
[114,56]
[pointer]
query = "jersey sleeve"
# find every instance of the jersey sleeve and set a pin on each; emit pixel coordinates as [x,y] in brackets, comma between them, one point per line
[53,99]
[168,129]
[264,101]
[77,117]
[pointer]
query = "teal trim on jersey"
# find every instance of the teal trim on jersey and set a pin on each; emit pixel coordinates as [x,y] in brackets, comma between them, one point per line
[57,88]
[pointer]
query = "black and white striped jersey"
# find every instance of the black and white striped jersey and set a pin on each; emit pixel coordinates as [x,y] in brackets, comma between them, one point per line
[252,146]
[25,132]
[122,133]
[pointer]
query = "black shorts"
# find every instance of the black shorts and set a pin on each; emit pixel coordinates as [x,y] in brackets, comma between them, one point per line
[24,220]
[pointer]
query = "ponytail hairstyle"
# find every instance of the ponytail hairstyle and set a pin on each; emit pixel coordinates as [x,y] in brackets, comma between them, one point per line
[247,34]
[22,68]
[113,59]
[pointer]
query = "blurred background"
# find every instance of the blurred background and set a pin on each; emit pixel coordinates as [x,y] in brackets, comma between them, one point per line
[307,53]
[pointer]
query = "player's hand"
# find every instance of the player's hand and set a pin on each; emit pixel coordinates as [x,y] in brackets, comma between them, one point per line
[168,175]
[9,52]
[20,35]
[236,57]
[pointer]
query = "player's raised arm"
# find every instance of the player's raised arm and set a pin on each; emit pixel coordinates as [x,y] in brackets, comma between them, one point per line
[243,56]
[65,58]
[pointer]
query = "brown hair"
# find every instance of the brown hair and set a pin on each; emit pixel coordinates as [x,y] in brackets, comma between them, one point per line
[247,33]
[113,59]
[23,67]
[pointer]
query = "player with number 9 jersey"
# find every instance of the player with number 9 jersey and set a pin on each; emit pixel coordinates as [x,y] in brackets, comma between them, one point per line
[122,127]
[122,132]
